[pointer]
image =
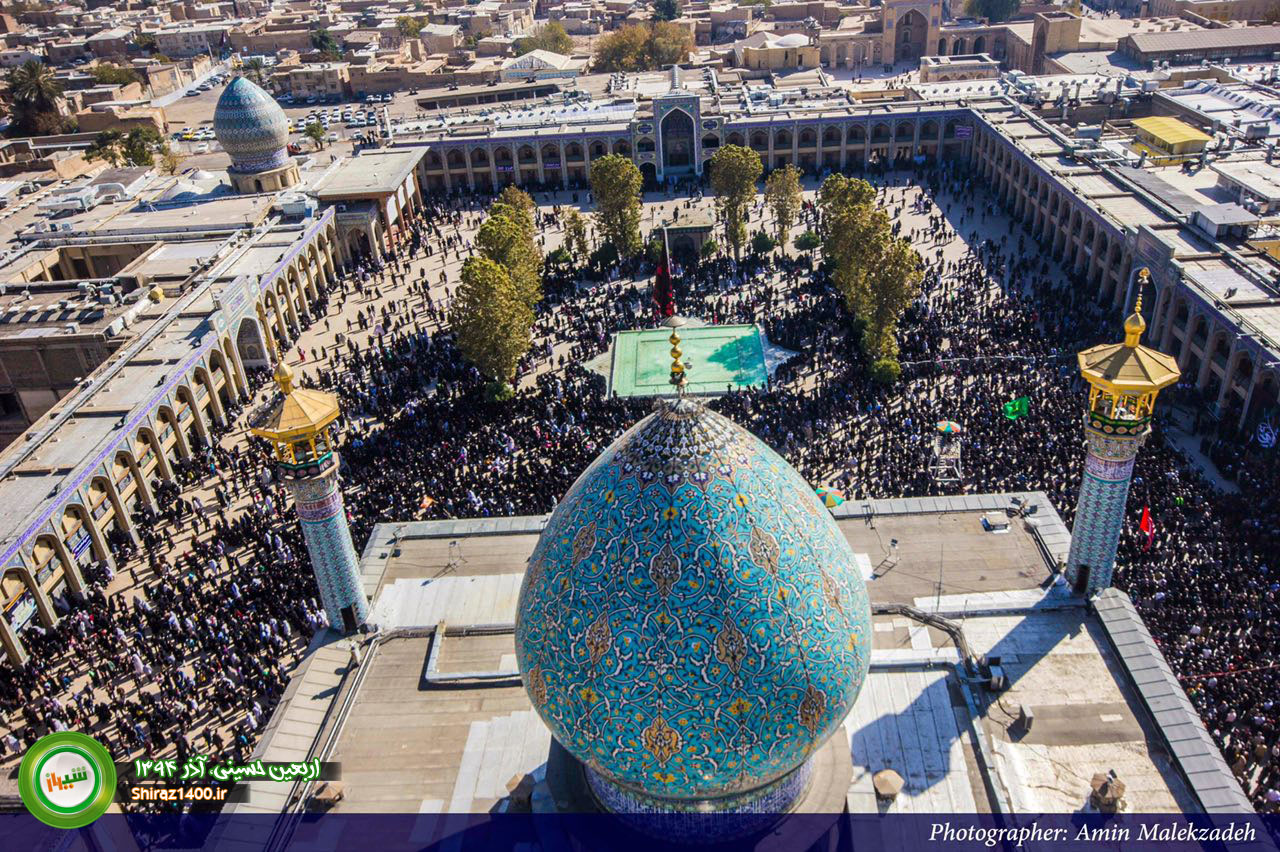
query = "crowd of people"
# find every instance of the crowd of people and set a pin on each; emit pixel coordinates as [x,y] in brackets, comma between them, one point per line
[226,600]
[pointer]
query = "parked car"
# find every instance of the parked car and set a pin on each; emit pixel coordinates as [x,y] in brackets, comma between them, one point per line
[192,93]
[332,137]
[200,148]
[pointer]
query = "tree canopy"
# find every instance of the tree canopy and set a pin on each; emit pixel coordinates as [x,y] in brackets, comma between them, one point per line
[490,321]
[315,132]
[255,69]
[575,235]
[138,147]
[783,195]
[508,238]
[643,47]
[877,273]
[409,26]
[615,183]
[323,41]
[666,10]
[107,74]
[33,94]
[734,172]
[995,10]
[550,36]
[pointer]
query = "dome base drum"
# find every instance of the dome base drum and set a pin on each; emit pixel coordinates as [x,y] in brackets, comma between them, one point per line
[735,816]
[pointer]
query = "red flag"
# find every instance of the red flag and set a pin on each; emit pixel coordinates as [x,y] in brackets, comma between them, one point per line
[1147,526]
[664,296]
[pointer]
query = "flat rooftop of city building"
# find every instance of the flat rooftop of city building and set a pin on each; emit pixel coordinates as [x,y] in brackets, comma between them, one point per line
[379,171]
[1104,30]
[465,749]
[1192,39]
[86,424]
[1228,103]
[1109,62]
[35,308]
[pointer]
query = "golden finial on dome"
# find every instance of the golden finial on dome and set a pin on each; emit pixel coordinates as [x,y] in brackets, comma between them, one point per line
[678,377]
[284,378]
[677,360]
[1134,325]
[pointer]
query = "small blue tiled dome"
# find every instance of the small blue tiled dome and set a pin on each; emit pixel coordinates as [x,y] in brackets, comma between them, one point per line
[251,127]
[692,625]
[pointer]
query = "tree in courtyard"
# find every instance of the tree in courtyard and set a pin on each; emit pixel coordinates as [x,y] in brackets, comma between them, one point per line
[891,285]
[852,232]
[491,322]
[666,10]
[878,274]
[808,241]
[782,193]
[255,69]
[315,132]
[994,10]
[108,74]
[734,172]
[643,47]
[550,36]
[575,235]
[669,44]
[516,197]
[171,161]
[323,41]
[615,183]
[138,147]
[33,94]
[507,238]
[762,243]
[623,49]
[408,26]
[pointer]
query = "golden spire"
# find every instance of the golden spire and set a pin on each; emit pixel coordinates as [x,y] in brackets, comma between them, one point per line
[677,363]
[284,378]
[1134,325]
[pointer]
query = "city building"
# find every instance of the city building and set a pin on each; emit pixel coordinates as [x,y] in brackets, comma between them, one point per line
[132,314]
[1099,212]
[542,65]
[945,69]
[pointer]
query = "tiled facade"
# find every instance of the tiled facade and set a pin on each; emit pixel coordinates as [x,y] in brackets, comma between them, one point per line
[46,554]
[318,502]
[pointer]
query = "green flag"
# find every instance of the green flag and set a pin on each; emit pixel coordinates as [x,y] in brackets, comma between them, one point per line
[1015,408]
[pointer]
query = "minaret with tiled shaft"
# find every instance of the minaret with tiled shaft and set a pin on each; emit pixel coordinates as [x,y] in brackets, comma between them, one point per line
[298,425]
[1124,379]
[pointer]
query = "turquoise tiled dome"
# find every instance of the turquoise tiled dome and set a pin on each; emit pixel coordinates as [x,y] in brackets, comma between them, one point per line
[692,625]
[251,127]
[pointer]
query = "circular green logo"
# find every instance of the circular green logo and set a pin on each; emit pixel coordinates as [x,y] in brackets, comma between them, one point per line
[67,779]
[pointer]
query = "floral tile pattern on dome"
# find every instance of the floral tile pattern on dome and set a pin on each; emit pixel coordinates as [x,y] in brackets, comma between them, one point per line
[251,127]
[692,623]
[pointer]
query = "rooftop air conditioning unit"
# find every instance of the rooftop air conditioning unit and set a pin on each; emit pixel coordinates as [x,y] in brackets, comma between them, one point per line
[72,328]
